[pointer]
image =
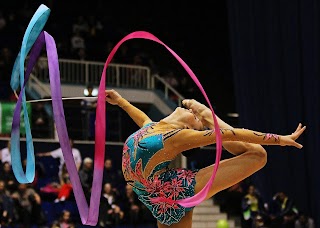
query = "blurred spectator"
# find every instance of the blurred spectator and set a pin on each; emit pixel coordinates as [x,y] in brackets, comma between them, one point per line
[284,212]
[94,38]
[5,155]
[95,27]
[58,154]
[252,206]
[40,121]
[64,221]
[3,21]
[7,176]
[27,203]
[77,42]
[6,206]
[111,214]
[60,191]
[86,176]
[112,175]
[131,207]
[259,222]
[65,187]
[304,221]
[233,200]
[81,25]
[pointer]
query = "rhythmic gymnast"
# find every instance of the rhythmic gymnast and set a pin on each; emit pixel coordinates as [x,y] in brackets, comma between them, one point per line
[148,152]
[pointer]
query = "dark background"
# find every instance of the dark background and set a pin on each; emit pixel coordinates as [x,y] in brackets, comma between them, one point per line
[198,33]
[258,58]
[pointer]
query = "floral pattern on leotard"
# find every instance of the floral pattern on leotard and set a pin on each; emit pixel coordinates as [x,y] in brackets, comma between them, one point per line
[170,185]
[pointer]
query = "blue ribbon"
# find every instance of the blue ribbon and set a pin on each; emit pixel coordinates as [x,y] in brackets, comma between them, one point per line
[33,31]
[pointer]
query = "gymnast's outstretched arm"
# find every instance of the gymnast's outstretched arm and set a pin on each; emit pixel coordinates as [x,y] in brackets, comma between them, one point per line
[193,138]
[138,116]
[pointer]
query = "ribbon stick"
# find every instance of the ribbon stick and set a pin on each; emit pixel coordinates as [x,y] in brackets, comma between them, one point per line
[200,196]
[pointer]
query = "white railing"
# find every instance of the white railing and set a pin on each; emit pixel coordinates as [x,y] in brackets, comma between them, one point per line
[89,72]
[77,72]
[168,90]
[35,84]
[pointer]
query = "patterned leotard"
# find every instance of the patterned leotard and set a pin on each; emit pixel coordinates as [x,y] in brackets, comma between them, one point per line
[170,184]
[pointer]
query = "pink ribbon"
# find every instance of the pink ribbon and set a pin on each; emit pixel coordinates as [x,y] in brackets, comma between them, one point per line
[200,196]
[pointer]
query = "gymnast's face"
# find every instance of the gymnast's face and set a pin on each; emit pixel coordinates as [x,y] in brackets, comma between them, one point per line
[188,118]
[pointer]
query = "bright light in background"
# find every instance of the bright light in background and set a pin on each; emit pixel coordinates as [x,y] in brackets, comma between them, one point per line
[94,92]
[235,115]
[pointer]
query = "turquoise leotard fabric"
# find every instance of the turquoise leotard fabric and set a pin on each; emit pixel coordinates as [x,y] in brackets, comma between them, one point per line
[172,183]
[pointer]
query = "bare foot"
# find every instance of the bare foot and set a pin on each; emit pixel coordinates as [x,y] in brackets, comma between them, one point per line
[200,110]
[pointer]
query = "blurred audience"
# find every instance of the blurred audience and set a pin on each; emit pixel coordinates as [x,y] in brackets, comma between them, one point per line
[304,221]
[6,206]
[131,207]
[59,155]
[64,221]
[284,212]
[5,154]
[252,207]
[27,203]
[86,177]
[65,187]
[111,214]
[8,177]
[113,175]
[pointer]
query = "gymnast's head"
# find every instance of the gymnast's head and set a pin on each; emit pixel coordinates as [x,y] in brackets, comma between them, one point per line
[185,119]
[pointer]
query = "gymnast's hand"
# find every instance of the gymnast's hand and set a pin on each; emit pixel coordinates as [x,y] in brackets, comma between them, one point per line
[112,97]
[290,140]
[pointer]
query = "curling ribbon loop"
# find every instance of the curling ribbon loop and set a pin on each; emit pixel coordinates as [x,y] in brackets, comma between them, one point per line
[33,30]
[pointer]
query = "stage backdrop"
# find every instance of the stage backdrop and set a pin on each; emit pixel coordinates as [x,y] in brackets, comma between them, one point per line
[275,56]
